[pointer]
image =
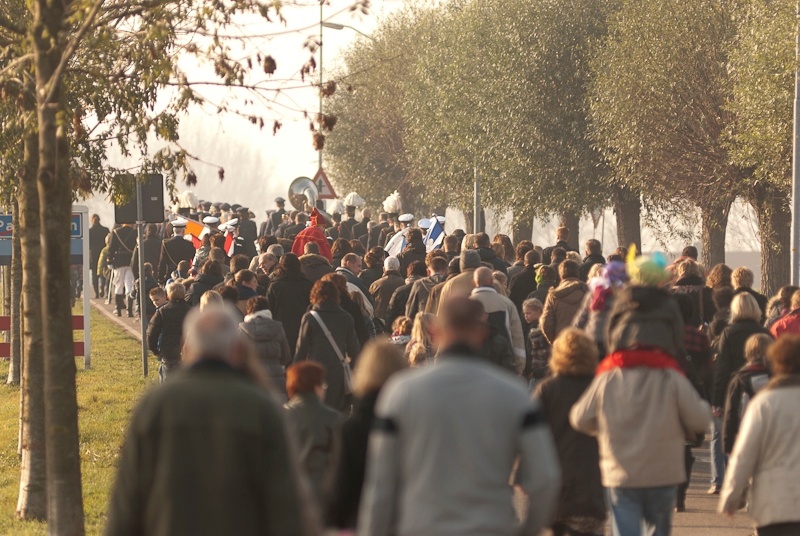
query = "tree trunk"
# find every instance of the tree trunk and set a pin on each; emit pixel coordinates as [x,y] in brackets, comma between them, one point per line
[32,500]
[774,229]
[522,227]
[572,221]
[714,227]
[628,210]
[64,497]
[16,293]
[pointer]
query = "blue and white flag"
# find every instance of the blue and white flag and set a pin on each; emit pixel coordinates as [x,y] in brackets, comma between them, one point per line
[397,243]
[434,238]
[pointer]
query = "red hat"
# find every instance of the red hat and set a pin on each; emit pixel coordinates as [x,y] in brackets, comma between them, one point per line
[317,218]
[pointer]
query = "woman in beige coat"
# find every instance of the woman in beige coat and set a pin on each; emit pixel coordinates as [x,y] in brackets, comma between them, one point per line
[765,456]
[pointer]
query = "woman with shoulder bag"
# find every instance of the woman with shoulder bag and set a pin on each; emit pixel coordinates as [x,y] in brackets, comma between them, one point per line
[328,336]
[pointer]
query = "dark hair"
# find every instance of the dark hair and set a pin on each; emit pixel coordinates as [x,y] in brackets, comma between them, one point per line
[217,254]
[289,264]
[374,257]
[148,269]
[416,268]
[218,241]
[151,230]
[340,248]
[532,257]
[245,276]
[785,295]
[183,266]
[311,248]
[304,377]
[255,304]
[229,294]
[414,236]
[433,254]
[438,264]
[206,240]
[324,291]
[358,248]
[482,240]
[522,248]
[722,297]
[461,313]
[266,241]
[508,247]
[690,251]
[451,243]
[558,254]
[784,355]
[569,269]
[239,262]
[211,267]
[719,276]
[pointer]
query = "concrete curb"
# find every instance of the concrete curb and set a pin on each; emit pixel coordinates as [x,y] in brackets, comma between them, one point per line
[129,325]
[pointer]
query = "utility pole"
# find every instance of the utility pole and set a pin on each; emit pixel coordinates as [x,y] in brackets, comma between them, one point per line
[319,119]
[795,237]
[142,293]
[476,225]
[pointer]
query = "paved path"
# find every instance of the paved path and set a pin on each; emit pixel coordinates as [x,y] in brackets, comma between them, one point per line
[700,518]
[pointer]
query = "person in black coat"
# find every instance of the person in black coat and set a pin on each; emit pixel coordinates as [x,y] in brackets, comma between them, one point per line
[691,282]
[524,283]
[151,246]
[562,235]
[374,270]
[165,332]
[581,506]
[745,321]
[374,234]
[313,343]
[120,252]
[484,249]
[97,241]
[594,255]
[414,251]
[210,276]
[400,297]
[377,363]
[360,229]
[174,250]
[349,306]
[288,294]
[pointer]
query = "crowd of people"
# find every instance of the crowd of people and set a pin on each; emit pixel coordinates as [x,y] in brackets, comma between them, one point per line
[423,391]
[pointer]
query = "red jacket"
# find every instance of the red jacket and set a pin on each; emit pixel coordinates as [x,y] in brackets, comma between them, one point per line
[790,323]
[311,234]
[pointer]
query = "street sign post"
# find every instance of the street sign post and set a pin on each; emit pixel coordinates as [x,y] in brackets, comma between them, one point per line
[324,186]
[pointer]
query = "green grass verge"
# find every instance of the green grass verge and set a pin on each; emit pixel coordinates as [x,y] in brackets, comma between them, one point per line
[106,395]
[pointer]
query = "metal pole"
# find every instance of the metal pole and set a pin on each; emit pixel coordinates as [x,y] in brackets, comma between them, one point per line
[321,20]
[476,225]
[142,314]
[795,250]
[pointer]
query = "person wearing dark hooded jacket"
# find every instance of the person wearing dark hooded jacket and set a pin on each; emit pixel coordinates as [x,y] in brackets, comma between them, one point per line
[414,250]
[288,296]
[269,341]
[564,301]
[483,245]
[210,276]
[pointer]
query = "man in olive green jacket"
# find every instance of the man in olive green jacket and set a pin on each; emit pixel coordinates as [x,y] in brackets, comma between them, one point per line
[207,452]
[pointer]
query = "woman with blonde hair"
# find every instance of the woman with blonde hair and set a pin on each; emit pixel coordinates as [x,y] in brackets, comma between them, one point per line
[376,364]
[421,349]
[581,507]
[745,322]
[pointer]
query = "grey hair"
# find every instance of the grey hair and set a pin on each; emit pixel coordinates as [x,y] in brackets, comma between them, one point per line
[469,259]
[211,333]
[276,249]
[391,263]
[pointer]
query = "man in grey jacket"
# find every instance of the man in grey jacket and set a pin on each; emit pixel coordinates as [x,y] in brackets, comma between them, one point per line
[445,440]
